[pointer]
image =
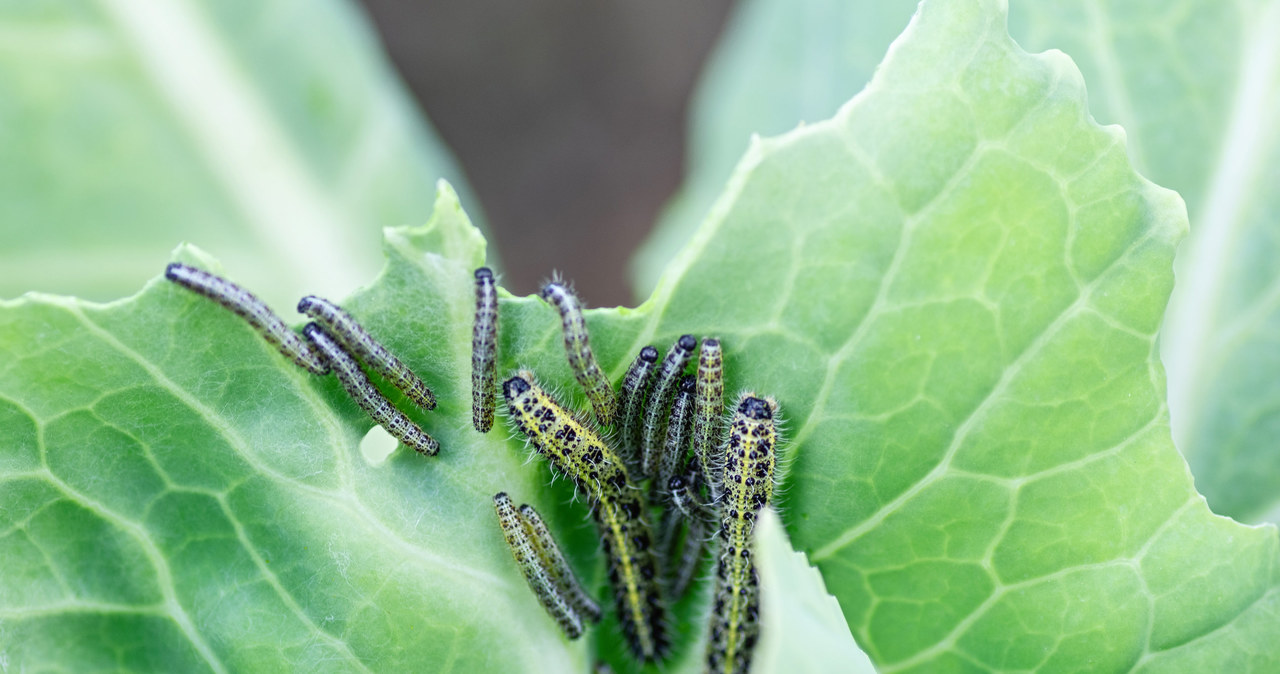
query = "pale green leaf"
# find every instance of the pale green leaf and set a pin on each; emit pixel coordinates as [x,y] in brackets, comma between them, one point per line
[273,134]
[1196,85]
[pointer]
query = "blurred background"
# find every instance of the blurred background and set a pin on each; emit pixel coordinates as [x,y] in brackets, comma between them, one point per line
[567,117]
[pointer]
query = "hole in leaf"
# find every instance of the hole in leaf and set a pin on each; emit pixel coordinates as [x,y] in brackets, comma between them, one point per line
[377,445]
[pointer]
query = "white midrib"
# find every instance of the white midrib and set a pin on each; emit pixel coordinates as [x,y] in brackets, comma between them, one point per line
[243,144]
[1209,254]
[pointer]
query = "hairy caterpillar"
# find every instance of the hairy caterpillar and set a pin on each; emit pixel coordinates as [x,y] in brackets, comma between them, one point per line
[527,557]
[708,404]
[749,462]
[566,581]
[577,346]
[631,399]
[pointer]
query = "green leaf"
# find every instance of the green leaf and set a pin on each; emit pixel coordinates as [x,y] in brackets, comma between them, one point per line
[952,288]
[1197,88]
[273,134]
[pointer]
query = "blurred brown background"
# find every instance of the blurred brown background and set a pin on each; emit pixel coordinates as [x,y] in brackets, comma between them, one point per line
[568,117]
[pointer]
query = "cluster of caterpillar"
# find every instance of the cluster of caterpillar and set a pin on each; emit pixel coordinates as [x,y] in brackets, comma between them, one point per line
[334,342]
[668,431]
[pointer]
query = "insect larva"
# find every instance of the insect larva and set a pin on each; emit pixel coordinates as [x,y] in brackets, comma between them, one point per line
[673,450]
[569,444]
[366,395]
[251,309]
[577,346]
[750,459]
[527,558]
[631,399]
[633,573]
[484,346]
[685,567]
[576,450]
[664,389]
[357,341]
[708,404]
[553,561]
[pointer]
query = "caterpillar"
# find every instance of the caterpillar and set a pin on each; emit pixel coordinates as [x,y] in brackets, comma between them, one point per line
[484,346]
[632,396]
[708,404]
[357,341]
[562,575]
[577,451]
[526,554]
[664,389]
[577,346]
[366,395]
[673,450]
[750,459]
[682,490]
[253,310]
